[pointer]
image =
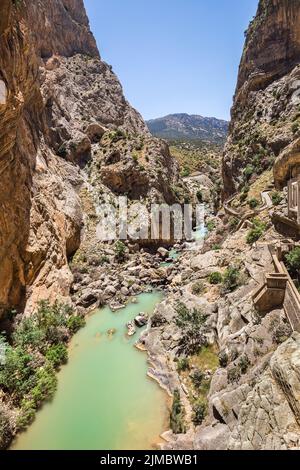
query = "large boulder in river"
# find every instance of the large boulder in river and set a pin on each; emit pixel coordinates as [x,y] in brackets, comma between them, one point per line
[141,320]
[163,253]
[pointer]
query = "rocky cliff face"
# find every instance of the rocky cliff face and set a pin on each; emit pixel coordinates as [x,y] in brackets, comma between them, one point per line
[57,99]
[265,115]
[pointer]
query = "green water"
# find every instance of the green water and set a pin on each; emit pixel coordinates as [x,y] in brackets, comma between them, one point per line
[104,399]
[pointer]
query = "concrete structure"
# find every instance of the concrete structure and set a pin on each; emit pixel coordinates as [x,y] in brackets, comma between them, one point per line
[279,290]
[294,199]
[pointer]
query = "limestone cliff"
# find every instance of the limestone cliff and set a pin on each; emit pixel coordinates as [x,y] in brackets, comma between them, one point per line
[265,115]
[57,99]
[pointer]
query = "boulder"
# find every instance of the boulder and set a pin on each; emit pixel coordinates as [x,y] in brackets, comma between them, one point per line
[163,253]
[141,319]
[131,328]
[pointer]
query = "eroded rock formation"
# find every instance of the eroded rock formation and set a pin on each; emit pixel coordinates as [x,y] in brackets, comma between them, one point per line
[265,114]
[57,99]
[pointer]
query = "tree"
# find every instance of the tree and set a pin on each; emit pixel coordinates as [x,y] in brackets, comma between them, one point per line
[192,324]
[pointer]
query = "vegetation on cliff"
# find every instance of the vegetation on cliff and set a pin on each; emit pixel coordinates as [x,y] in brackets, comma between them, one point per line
[32,353]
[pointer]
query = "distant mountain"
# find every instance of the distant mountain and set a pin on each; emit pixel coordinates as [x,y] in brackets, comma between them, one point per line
[189,127]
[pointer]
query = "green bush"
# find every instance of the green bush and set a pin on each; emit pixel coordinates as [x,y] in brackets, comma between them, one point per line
[197,378]
[253,203]
[216,247]
[120,251]
[27,414]
[198,288]
[199,412]
[256,232]
[185,172]
[75,323]
[5,428]
[215,278]
[62,151]
[248,171]
[57,355]
[177,415]
[45,387]
[193,328]
[231,279]
[17,375]
[276,198]
[183,364]
[233,223]
[210,225]
[292,260]
[244,364]
[223,359]
[234,374]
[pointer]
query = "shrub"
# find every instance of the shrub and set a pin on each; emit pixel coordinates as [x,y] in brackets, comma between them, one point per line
[200,196]
[27,414]
[75,323]
[198,288]
[120,251]
[197,378]
[231,279]
[215,278]
[281,333]
[157,320]
[5,428]
[177,415]
[57,355]
[244,364]
[233,223]
[183,364]
[199,412]
[62,151]
[248,171]
[117,135]
[185,172]
[17,374]
[192,324]
[256,232]
[216,247]
[292,260]
[276,198]
[223,359]
[210,225]
[234,374]
[45,387]
[27,333]
[253,203]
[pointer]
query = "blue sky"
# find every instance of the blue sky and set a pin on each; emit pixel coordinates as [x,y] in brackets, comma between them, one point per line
[173,55]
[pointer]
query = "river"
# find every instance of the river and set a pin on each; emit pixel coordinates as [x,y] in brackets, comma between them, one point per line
[104,400]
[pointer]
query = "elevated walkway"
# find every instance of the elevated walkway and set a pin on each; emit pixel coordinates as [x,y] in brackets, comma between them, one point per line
[279,291]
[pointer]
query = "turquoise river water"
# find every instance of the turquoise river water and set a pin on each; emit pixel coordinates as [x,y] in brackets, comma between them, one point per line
[104,400]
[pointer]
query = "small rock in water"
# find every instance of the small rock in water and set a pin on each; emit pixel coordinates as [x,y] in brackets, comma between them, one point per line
[163,253]
[115,307]
[111,332]
[131,328]
[141,319]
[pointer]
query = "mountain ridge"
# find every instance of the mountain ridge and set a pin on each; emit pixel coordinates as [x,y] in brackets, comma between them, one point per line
[189,126]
